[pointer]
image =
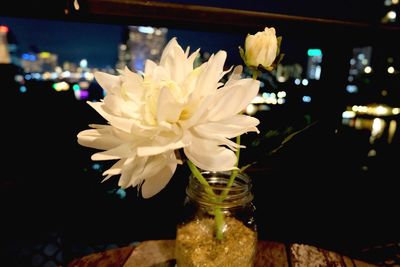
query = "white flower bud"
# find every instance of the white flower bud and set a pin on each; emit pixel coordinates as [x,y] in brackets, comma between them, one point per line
[261,48]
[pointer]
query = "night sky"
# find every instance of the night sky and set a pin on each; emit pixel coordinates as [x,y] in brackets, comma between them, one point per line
[98,43]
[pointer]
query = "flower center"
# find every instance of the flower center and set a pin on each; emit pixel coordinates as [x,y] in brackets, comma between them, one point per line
[185,114]
[152,95]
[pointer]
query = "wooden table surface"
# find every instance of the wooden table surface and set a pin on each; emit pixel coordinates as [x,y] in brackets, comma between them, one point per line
[159,253]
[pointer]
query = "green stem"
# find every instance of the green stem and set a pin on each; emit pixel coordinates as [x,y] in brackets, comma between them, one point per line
[234,172]
[200,178]
[219,222]
[219,216]
[255,74]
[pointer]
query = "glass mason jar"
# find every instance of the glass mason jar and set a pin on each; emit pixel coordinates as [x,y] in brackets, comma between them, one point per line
[218,226]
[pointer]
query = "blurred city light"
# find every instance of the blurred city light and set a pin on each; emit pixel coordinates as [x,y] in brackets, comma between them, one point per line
[251,109]
[147,30]
[61,86]
[392,15]
[351,88]
[44,55]
[306,99]
[3,29]
[22,89]
[281,94]
[83,63]
[348,114]
[281,101]
[314,52]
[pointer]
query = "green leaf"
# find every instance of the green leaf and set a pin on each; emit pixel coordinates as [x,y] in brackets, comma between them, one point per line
[262,68]
[278,59]
[245,167]
[279,41]
[242,55]
[290,137]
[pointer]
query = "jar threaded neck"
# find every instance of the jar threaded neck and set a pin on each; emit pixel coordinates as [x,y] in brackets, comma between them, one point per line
[238,194]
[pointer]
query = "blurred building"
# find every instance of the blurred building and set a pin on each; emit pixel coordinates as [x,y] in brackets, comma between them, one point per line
[9,46]
[4,54]
[40,62]
[30,63]
[47,61]
[141,43]
[314,63]
[69,66]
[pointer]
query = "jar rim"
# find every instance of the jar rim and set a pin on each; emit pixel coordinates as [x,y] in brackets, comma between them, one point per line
[238,194]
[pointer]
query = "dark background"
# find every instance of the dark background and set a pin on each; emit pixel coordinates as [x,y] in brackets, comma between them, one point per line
[314,190]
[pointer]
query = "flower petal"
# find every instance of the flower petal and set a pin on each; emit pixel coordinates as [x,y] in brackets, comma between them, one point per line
[128,109]
[107,81]
[208,79]
[122,151]
[191,59]
[158,75]
[115,169]
[176,62]
[149,67]
[130,170]
[154,150]
[208,155]
[168,108]
[112,104]
[155,183]
[153,165]
[123,124]
[168,50]
[229,128]
[198,115]
[98,138]
[235,76]
[230,100]
[132,85]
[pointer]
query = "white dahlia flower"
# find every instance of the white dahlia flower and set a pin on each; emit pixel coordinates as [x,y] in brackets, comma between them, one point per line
[171,106]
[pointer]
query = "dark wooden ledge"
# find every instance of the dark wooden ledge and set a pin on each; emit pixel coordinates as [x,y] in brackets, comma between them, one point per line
[160,253]
[182,16]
